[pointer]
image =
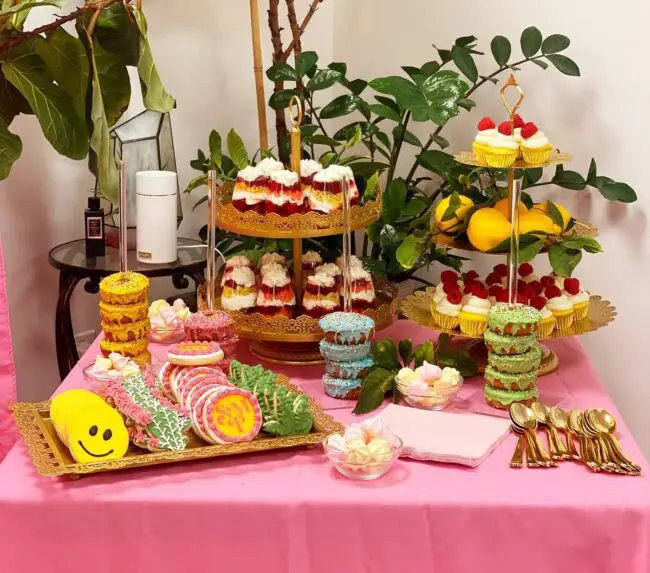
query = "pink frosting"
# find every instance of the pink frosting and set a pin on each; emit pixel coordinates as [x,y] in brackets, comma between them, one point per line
[184,349]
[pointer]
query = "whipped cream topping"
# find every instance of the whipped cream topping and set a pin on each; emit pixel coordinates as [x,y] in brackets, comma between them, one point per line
[312,257]
[354,262]
[268,267]
[446,307]
[503,141]
[309,167]
[477,305]
[486,135]
[272,258]
[330,174]
[517,135]
[536,141]
[546,313]
[238,261]
[580,298]
[310,303]
[285,177]
[268,166]
[561,302]
[249,173]
[329,269]
[276,278]
[321,280]
[243,276]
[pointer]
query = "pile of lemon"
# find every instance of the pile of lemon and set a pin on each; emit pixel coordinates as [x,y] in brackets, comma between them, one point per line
[488,227]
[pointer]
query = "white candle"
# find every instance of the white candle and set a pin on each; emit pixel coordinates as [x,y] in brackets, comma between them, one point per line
[156,216]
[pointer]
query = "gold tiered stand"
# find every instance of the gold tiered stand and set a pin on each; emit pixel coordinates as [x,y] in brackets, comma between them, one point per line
[280,339]
[417,306]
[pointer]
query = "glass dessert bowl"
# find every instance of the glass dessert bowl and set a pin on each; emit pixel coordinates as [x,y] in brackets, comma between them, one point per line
[363,461]
[429,387]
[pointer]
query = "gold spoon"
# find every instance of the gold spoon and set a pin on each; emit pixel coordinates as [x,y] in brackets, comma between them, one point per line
[601,453]
[574,428]
[604,422]
[559,418]
[524,418]
[617,464]
[555,446]
[517,460]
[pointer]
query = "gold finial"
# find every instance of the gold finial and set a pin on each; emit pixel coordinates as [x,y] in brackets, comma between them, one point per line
[512,82]
[297,115]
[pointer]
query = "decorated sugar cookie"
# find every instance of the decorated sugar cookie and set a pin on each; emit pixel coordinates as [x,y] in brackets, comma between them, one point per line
[230,415]
[89,427]
[195,353]
[200,376]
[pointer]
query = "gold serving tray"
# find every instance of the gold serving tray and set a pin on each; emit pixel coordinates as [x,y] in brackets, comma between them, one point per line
[580,229]
[557,158]
[274,226]
[417,307]
[256,326]
[52,458]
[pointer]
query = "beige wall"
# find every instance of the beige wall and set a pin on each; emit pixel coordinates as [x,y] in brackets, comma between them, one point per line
[204,55]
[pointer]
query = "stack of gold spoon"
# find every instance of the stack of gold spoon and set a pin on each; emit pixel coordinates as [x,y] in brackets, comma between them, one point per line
[595,430]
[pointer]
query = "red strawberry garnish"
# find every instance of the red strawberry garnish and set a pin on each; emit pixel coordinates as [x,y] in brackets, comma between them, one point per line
[495,290]
[449,277]
[572,286]
[505,128]
[501,269]
[502,296]
[536,287]
[548,281]
[486,123]
[539,302]
[493,279]
[552,291]
[470,286]
[522,298]
[454,297]
[525,269]
[521,285]
[471,276]
[449,287]
[519,123]
[529,130]
[480,292]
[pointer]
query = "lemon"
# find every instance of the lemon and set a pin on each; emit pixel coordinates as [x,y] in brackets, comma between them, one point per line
[566,215]
[488,228]
[465,205]
[502,207]
[536,221]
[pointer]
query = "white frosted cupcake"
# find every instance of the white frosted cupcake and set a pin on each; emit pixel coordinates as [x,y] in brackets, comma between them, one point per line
[473,313]
[487,130]
[561,306]
[578,296]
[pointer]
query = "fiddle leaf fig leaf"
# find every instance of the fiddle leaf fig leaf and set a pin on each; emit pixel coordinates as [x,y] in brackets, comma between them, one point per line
[29,5]
[118,33]
[61,124]
[10,149]
[154,94]
[66,60]
[115,82]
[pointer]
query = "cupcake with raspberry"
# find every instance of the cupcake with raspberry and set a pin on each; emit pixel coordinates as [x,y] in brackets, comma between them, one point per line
[446,278]
[546,325]
[502,150]
[578,296]
[527,273]
[447,311]
[561,307]
[487,130]
[535,146]
[285,196]
[473,313]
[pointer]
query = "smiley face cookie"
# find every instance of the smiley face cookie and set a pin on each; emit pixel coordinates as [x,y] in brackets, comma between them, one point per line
[88,426]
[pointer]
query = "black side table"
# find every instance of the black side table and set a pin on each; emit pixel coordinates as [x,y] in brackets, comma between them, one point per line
[70,259]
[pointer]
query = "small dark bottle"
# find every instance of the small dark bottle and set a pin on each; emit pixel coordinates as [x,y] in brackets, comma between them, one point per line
[95,238]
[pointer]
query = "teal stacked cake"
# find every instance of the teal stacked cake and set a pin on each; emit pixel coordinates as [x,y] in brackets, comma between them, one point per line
[346,349]
[513,355]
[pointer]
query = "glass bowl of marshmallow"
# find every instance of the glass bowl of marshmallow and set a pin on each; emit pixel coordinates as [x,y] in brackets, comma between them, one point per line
[115,367]
[365,451]
[168,321]
[429,387]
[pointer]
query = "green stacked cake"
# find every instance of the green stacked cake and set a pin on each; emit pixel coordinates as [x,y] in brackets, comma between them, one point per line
[513,355]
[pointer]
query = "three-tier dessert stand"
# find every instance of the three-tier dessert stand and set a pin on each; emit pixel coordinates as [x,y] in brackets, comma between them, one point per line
[601,312]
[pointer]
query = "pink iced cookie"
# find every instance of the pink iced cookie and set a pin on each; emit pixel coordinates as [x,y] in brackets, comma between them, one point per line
[200,376]
[195,353]
[230,415]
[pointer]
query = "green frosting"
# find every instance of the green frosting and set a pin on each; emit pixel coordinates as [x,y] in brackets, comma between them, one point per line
[501,344]
[516,363]
[512,318]
[521,381]
[507,397]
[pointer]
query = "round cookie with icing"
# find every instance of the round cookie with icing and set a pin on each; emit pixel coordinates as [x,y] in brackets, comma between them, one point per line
[195,353]
[230,415]
[199,376]
[347,327]
[89,427]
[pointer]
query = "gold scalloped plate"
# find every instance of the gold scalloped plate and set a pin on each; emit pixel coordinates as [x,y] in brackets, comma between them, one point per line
[417,307]
[256,326]
[557,158]
[52,458]
[580,229]
[275,226]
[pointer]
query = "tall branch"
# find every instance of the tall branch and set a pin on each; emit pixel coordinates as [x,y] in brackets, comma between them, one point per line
[310,14]
[23,36]
[296,44]
[278,58]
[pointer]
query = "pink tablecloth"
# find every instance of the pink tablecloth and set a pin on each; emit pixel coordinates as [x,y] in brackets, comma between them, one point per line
[7,371]
[290,513]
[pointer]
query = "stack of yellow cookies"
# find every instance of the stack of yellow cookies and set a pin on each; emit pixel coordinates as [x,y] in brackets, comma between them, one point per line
[124,303]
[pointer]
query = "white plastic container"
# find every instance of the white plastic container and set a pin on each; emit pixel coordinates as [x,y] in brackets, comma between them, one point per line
[156,216]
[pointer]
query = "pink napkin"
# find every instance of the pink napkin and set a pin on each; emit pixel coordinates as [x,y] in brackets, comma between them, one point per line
[466,439]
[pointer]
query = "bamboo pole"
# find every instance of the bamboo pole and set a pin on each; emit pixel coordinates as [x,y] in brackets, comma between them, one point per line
[259,74]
